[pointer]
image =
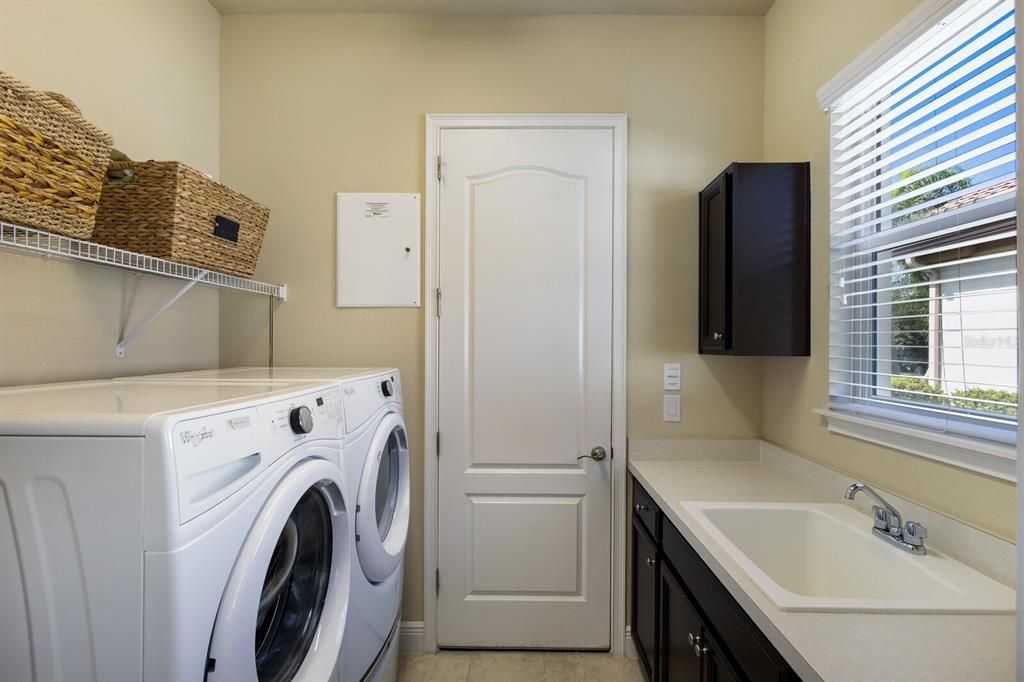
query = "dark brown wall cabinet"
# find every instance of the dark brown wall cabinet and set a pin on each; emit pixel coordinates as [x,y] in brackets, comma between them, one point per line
[755,268]
[685,625]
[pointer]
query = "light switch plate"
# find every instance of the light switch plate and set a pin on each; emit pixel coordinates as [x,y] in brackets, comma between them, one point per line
[670,408]
[673,376]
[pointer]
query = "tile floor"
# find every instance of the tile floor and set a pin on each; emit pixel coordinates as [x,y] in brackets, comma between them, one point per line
[516,666]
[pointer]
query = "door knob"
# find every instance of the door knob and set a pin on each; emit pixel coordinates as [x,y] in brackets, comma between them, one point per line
[597,454]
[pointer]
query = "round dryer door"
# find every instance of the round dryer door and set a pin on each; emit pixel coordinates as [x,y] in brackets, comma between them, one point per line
[382,521]
[288,593]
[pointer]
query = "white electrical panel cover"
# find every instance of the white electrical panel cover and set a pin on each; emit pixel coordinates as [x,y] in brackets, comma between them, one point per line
[378,250]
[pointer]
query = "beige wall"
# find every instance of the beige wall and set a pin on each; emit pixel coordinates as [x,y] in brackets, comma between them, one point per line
[313,105]
[147,73]
[806,43]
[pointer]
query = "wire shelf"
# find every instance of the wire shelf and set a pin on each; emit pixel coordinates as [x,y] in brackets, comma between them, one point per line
[49,244]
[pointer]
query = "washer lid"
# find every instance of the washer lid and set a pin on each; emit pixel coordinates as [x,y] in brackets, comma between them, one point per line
[268,374]
[288,593]
[382,519]
[114,408]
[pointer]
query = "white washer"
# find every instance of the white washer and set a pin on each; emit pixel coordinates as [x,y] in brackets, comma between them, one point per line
[183,531]
[376,471]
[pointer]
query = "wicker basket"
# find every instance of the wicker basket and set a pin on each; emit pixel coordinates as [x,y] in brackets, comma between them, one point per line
[168,210]
[52,161]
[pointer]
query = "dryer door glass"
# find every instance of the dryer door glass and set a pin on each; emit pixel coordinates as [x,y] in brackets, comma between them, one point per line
[294,589]
[387,483]
[383,524]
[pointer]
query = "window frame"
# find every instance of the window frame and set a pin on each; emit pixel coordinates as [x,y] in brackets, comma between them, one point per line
[908,425]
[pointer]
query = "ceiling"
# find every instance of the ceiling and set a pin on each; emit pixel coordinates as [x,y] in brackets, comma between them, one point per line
[497,7]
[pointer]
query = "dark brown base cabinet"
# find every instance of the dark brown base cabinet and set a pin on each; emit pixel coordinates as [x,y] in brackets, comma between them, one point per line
[685,625]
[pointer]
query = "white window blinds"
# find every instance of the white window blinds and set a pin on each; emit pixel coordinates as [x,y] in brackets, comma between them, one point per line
[923,322]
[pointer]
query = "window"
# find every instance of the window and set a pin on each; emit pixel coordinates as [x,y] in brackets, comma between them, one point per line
[923,287]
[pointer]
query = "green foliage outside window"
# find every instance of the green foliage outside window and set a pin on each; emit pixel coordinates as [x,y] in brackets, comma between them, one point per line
[910,308]
[902,387]
[924,197]
[910,303]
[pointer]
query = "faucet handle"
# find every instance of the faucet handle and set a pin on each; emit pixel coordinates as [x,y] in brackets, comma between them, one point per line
[914,533]
[882,517]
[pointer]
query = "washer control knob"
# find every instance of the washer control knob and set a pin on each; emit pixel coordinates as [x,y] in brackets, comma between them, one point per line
[301,419]
[387,387]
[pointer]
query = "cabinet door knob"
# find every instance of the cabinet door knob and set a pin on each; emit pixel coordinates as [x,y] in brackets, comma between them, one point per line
[697,645]
[641,507]
[650,561]
[716,336]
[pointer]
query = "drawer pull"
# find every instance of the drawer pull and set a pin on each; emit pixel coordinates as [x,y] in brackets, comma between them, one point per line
[641,507]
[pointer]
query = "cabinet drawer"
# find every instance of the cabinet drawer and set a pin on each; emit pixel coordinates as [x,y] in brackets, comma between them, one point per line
[646,510]
[753,654]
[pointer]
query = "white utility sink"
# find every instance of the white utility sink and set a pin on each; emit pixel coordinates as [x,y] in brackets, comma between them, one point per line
[823,557]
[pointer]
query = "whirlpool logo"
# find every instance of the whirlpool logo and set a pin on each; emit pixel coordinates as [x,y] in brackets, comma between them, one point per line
[194,438]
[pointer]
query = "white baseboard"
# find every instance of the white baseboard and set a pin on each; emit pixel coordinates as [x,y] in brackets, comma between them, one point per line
[630,651]
[410,636]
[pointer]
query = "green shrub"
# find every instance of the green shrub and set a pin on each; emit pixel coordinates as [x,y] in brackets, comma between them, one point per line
[912,388]
[987,394]
[914,383]
[901,387]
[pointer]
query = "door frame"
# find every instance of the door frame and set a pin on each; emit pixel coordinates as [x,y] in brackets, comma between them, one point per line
[435,123]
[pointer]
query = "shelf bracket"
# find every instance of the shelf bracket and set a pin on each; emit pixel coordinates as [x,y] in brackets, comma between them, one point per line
[138,329]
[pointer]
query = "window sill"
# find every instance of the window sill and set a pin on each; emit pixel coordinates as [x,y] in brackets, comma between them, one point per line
[992,459]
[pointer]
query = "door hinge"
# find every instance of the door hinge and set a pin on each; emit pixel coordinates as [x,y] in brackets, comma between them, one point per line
[611,452]
[437,444]
[437,296]
[439,169]
[437,581]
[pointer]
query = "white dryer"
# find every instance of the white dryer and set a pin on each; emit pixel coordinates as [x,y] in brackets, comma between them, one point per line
[185,531]
[376,463]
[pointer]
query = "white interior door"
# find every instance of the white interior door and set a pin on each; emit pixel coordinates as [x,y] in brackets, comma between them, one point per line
[525,387]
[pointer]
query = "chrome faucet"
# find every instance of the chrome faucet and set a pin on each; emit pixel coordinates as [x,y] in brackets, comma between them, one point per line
[889,523]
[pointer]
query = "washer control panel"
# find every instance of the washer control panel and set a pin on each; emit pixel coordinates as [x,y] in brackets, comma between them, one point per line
[300,417]
[327,406]
[217,454]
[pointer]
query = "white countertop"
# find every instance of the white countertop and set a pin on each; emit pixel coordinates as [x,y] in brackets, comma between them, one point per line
[827,646]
